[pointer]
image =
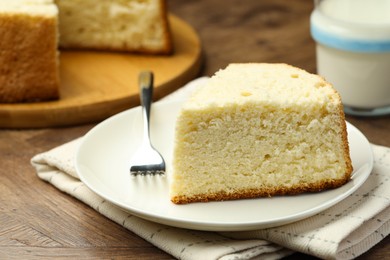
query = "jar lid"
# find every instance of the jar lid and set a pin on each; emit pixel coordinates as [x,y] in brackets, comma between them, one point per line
[349,35]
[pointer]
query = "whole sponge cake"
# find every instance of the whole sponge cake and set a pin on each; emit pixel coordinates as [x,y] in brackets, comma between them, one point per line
[122,25]
[28,51]
[259,130]
[30,31]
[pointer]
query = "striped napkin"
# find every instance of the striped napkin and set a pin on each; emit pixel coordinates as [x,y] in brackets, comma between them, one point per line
[343,231]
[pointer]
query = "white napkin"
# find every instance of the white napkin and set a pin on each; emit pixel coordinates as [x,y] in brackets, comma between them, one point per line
[344,231]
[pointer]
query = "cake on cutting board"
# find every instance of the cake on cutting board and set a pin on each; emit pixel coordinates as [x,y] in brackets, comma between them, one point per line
[257,130]
[28,51]
[32,30]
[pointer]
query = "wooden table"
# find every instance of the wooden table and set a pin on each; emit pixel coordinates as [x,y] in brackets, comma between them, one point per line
[38,221]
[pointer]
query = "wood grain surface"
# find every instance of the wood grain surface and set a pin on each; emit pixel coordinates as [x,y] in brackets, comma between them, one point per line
[39,222]
[96,84]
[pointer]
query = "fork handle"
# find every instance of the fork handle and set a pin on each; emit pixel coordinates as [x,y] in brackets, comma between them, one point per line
[146,96]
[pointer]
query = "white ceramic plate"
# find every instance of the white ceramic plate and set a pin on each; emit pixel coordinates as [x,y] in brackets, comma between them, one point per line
[102,163]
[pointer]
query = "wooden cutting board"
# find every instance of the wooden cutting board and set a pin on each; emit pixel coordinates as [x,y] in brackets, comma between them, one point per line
[96,85]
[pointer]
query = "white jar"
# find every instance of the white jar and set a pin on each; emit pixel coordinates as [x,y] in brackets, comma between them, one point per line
[353,52]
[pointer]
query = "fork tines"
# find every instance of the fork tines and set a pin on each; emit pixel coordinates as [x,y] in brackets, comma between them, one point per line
[155,169]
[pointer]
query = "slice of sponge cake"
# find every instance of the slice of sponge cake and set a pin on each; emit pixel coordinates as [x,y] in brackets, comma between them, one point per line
[259,130]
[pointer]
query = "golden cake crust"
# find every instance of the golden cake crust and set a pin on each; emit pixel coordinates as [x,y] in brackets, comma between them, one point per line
[28,60]
[347,157]
[261,192]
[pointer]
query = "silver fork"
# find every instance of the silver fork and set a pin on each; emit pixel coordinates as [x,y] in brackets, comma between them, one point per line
[147,160]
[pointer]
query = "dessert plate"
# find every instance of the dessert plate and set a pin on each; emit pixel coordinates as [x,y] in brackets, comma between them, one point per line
[102,163]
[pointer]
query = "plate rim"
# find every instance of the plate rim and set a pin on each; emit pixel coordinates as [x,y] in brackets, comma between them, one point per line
[212,225]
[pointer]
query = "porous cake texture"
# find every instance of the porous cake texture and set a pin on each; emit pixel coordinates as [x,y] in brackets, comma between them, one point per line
[122,25]
[259,130]
[28,51]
